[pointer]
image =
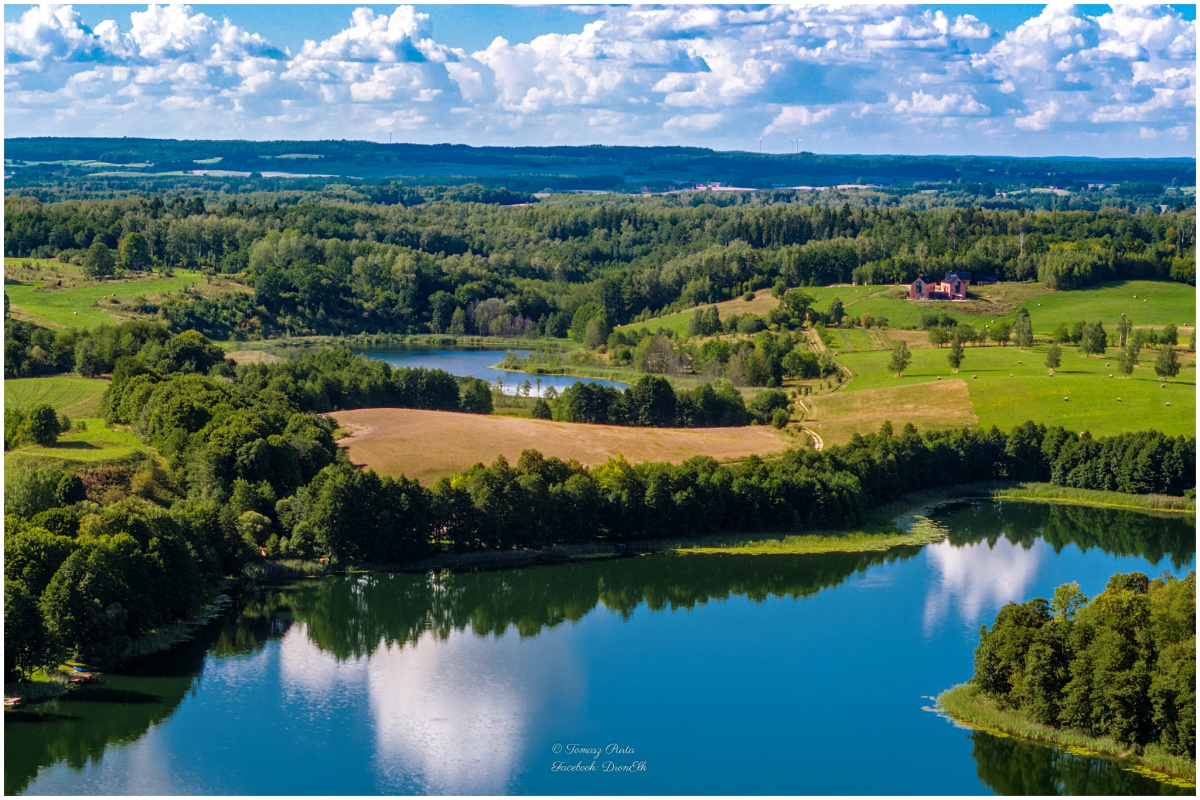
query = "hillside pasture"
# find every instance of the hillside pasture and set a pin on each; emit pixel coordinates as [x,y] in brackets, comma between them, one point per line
[1009,386]
[427,445]
[75,397]
[838,416]
[1145,303]
[79,303]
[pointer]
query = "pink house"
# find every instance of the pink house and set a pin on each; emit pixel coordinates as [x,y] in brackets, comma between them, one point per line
[952,287]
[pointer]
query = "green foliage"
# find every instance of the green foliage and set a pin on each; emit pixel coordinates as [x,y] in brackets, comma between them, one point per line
[30,488]
[901,357]
[134,253]
[39,425]
[541,409]
[477,397]
[99,261]
[956,355]
[1023,328]
[1053,356]
[1166,365]
[1122,665]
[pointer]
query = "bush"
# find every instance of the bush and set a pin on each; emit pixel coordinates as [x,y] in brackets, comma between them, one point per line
[477,397]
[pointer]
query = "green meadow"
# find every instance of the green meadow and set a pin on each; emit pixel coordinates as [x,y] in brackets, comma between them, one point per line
[89,442]
[1008,386]
[75,397]
[1155,303]
[83,306]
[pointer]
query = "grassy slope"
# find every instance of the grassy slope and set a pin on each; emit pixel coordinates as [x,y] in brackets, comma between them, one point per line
[1157,303]
[77,307]
[75,397]
[1030,394]
[91,444]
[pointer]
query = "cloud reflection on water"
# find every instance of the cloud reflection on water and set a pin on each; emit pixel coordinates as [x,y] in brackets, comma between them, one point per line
[976,577]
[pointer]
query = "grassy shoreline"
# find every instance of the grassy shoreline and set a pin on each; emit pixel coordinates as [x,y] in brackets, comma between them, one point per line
[968,707]
[1048,493]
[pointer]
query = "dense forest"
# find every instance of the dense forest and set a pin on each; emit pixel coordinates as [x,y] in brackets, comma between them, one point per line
[1122,664]
[337,267]
[95,557]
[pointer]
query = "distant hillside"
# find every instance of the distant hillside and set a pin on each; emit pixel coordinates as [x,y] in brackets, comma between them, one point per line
[623,169]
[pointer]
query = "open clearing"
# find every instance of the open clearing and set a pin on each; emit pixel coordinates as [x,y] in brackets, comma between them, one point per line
[89,442]
[427,445]
[837,417]
[75,397]
[1009,386]
[79,303]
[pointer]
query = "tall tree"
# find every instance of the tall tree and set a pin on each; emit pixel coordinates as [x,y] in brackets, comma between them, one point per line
[956,355]
[1053,357]
[900,358]
[1167,363]
[1023,328]
[134,253]
[99,262]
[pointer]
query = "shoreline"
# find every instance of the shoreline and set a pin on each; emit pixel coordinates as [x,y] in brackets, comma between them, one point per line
[964,706]
[157,640]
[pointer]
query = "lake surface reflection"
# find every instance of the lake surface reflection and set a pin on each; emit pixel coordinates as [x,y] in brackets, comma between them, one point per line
[477,364]
[716,674]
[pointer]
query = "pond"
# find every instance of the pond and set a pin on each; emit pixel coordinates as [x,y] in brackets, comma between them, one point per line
[692,674]
[477,364]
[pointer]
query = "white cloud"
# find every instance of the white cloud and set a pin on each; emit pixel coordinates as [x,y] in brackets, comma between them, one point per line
[1040,119]
[858,77]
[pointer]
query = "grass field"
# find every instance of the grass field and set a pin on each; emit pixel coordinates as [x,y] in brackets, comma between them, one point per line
[80,303]
[1157,303]
[89,442]
[75,397]
[1006,392]
[837,417]
[428,445]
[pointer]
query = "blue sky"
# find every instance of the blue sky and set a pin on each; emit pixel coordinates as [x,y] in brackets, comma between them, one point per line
[953,79]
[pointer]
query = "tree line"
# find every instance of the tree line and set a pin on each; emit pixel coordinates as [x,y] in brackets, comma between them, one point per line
[326,267]
[1121,664]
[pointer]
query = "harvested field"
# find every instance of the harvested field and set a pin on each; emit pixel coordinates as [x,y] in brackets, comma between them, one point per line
[914,339]
[929,406]
[428,445]
[252,357]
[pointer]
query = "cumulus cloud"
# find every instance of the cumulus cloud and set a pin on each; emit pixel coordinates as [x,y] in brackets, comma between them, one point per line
[857,77]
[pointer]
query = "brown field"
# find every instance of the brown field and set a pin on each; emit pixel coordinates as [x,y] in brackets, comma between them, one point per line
[914,338]
[929,406]
[428,445]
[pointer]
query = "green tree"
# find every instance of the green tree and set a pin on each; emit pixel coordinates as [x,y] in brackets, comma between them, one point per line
[99,261]
[956,355]
[28,645]
[477,397]
[134,253]
[1000,332]
[1023,329]
[901,357]
[458,323]
[1061,333]
[597,330]
[1169,335]
[1167,363]
[798,302]
[1053,357]
[541,409]
[1127,359]
[1124,327]
[836,311]
[1094,340]
[40,426]
[938,336]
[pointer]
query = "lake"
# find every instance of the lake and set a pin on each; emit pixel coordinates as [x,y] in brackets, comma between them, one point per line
[694,674]
[476,364]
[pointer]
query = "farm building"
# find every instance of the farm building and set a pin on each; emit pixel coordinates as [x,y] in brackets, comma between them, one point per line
[952,287]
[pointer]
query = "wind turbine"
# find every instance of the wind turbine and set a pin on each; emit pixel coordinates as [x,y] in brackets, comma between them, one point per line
[760,144]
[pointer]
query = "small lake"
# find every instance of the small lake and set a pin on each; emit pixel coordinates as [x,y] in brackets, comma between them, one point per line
[477,364]
[703,674]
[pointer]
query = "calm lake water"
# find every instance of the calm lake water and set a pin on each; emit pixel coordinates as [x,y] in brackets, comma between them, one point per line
[476,364]
[711,675]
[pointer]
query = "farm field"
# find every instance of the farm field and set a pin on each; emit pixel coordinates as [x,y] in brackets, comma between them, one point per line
[397,441]
[77,306]
[1030,393]
[1157,303]
[92,443]
[838,416]
[75,397]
